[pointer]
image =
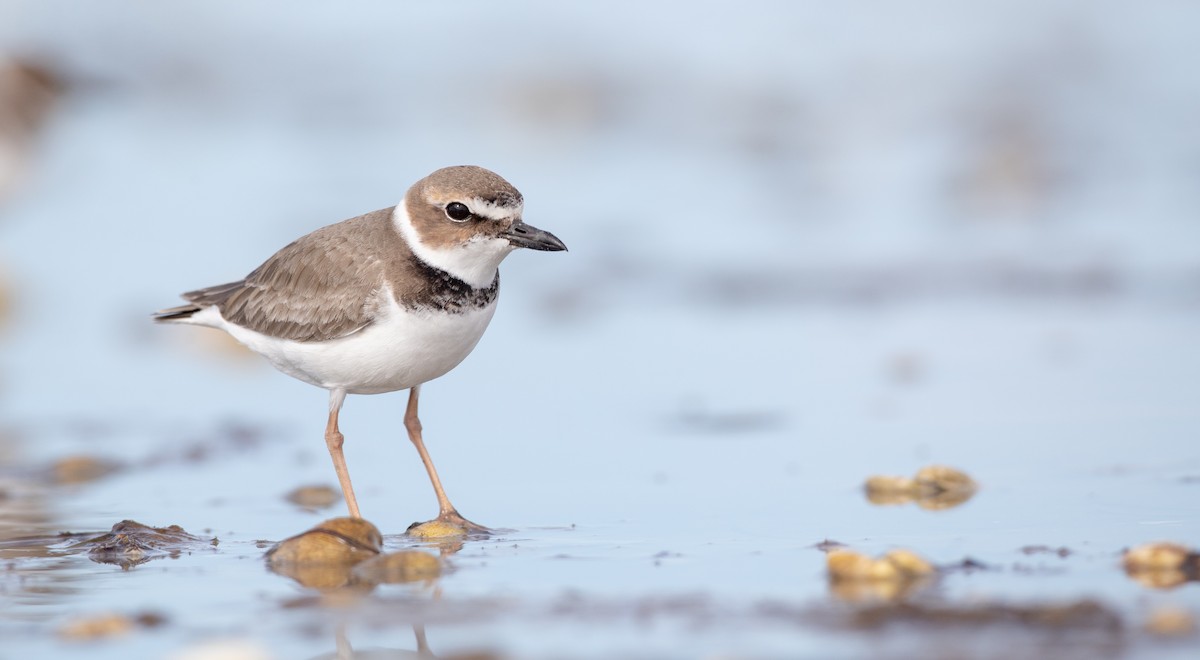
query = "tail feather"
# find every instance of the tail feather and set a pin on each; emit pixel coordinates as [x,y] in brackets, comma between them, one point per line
[213,295]
[175,313]
[199,299]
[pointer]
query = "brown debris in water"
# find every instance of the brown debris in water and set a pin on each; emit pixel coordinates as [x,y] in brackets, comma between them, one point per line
[130,543]
[1162,565]
[857,577]
[314,497]
[933,487]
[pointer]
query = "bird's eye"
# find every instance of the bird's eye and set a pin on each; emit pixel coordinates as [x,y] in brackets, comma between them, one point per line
[457,211]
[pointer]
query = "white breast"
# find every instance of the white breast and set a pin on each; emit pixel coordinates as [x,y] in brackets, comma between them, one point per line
[401,349]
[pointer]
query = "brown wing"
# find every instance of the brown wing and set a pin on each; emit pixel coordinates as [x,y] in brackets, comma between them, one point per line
[320,287]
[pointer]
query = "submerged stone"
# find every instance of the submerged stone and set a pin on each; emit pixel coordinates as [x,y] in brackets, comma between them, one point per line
[1157,556]
[322,557]
[336,541]
[1162,565]
[887,489]
[895,565]
[857,577]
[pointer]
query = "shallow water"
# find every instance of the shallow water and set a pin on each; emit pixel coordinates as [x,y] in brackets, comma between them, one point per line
[668,420]
[680,538]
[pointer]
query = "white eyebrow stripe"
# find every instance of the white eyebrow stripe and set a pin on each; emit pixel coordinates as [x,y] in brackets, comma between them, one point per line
[495,211]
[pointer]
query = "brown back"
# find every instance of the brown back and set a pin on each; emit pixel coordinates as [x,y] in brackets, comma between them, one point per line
[326,284]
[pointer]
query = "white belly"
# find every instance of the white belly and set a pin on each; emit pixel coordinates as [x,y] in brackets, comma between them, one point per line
[402,349]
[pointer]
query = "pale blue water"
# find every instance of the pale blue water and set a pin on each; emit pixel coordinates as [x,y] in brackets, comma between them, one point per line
[771,211]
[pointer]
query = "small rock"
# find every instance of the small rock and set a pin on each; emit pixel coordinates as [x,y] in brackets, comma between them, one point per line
[909,564]
[857,578]
[895,565]
[322,557]
[884,490]
[934,487]
[935,479]
[1157,556]
[435,529]
[1163,578]
[1162,565]
[334,541]
[850,565]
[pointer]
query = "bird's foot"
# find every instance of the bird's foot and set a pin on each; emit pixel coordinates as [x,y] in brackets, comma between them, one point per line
[454,518]
[447,524]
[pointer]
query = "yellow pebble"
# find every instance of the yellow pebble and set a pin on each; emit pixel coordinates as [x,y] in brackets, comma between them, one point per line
[933,479]
[1157,556]
[847,565]
[896,565]
[934,487]
[334,541]
[890,490]
[909,563]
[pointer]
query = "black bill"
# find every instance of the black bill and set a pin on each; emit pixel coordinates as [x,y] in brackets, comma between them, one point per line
[526,236]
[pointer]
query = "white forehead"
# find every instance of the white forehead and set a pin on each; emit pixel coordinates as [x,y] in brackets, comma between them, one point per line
[492,210]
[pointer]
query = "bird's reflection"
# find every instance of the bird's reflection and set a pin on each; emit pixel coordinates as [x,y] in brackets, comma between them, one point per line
[343,650]
[343,561]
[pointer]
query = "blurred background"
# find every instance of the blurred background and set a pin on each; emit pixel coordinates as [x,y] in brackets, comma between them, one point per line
[809,241]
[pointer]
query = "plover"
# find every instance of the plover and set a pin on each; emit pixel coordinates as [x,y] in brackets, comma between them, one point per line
[382,302]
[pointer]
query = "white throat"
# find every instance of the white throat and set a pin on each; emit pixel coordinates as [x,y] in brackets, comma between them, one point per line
[474,262]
